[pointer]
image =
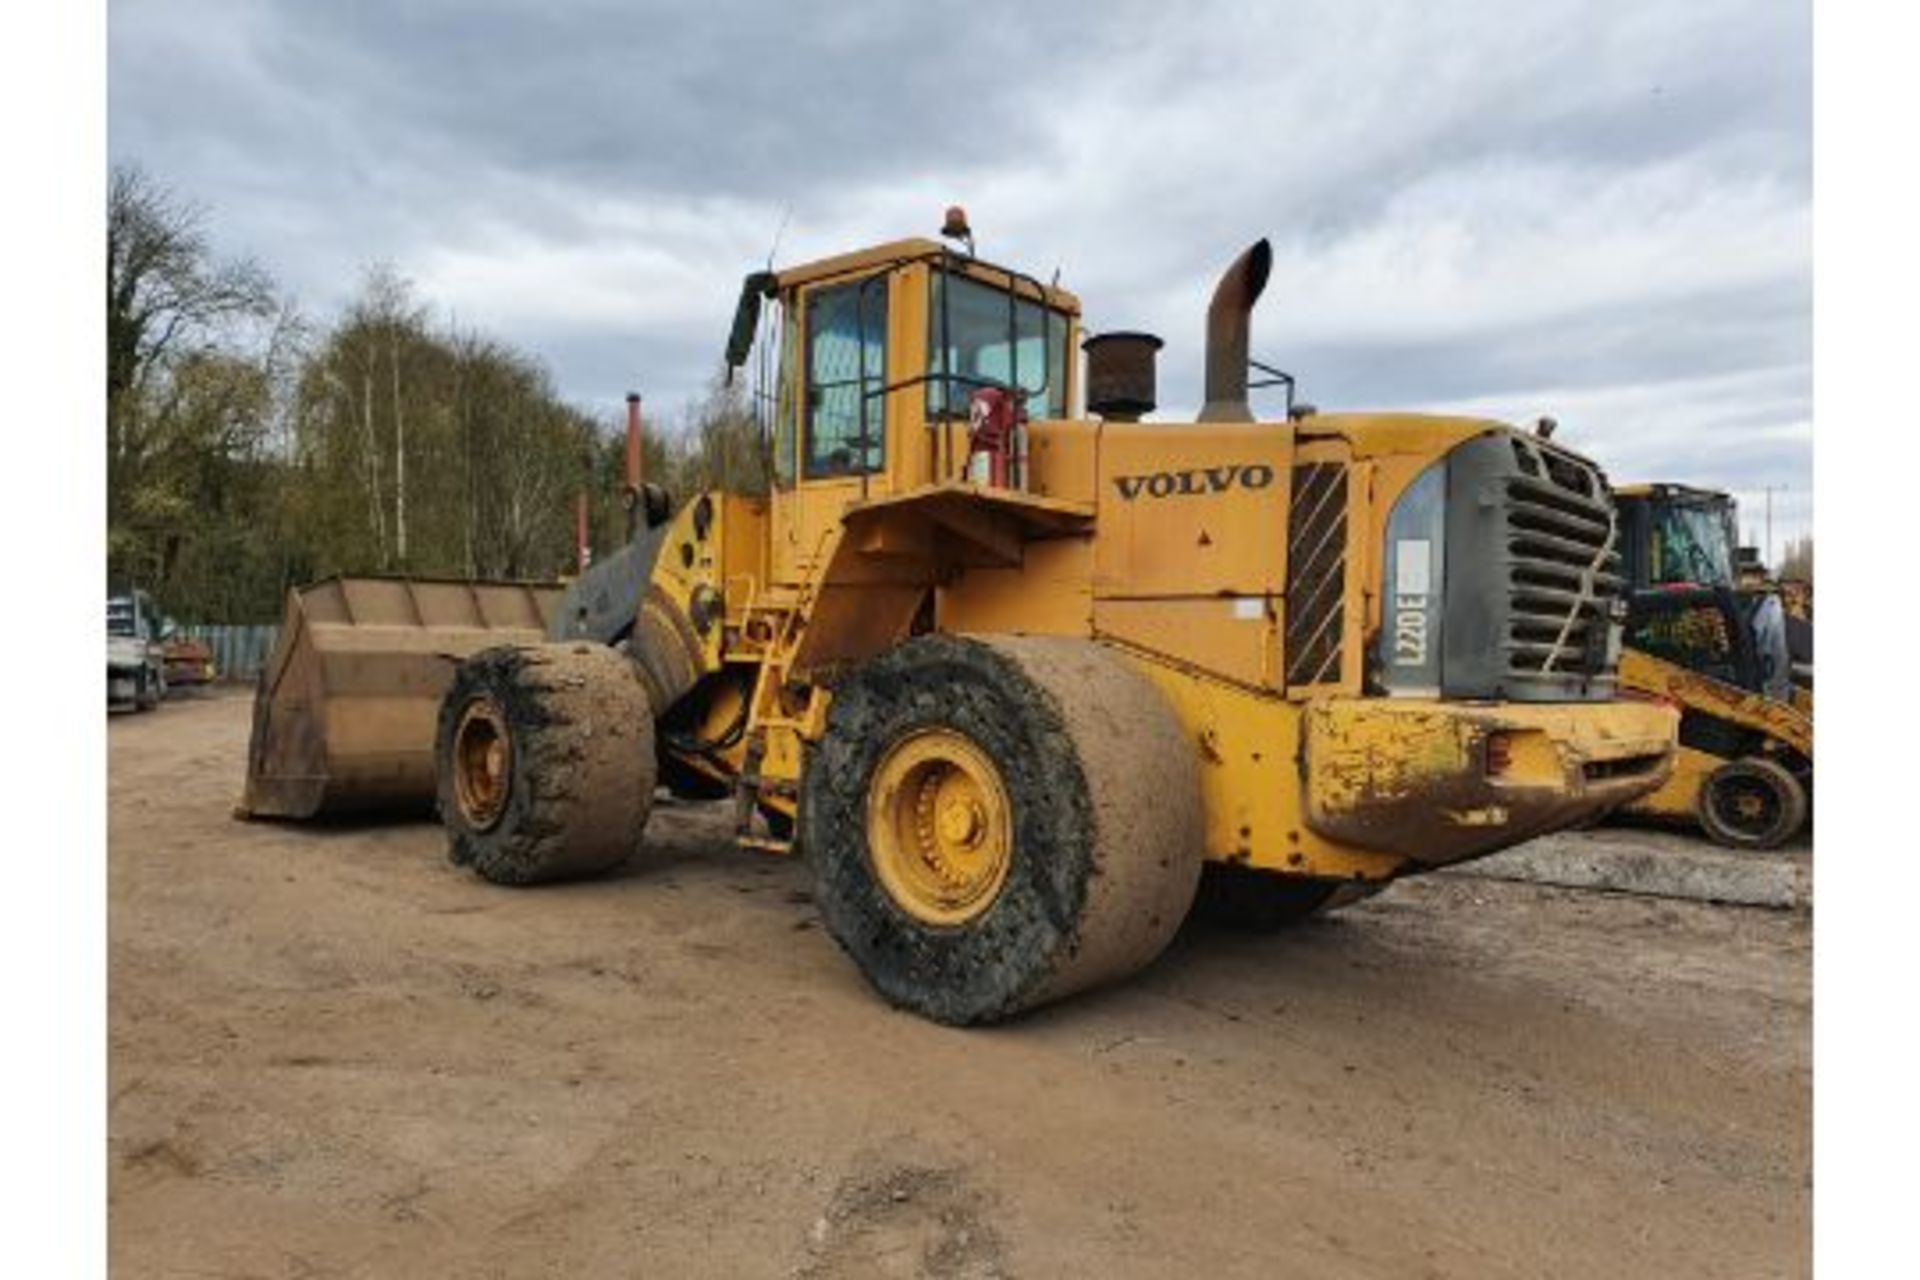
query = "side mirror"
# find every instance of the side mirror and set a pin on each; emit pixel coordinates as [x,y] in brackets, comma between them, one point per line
[746,317]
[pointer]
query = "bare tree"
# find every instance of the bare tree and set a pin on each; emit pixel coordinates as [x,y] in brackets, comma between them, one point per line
[166,296]
[249,450]
[190,353]
[721,445]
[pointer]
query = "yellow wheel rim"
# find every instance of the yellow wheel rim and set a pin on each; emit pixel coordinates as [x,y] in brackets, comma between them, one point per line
[482,763]
[939,828]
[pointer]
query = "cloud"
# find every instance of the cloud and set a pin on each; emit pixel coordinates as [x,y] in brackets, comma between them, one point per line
[1529,205]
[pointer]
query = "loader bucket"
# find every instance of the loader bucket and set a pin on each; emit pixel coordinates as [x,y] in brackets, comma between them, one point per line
[345,712]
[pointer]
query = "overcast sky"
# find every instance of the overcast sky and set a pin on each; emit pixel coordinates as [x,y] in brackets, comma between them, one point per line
[1514,207]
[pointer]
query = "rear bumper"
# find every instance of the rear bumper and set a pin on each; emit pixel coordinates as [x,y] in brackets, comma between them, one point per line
[1416,778]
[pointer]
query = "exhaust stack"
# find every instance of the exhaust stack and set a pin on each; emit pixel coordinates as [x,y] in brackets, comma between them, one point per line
[582,544]
[1229,329]
[632,492]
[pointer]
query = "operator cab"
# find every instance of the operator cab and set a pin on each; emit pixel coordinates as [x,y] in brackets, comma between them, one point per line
[894,369]
[1677,535]
[1686,603]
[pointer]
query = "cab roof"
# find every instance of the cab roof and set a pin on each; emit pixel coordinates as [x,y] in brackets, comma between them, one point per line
[916,249]
[1670,489]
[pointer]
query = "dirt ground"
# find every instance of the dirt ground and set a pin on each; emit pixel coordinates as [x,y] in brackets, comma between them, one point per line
[333,1054]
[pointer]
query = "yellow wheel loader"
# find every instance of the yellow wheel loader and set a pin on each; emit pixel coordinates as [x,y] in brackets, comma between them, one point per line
[1732,658]
[1017,670]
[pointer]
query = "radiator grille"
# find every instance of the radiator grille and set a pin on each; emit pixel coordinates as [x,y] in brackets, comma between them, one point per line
[1316,572]
[1559,526]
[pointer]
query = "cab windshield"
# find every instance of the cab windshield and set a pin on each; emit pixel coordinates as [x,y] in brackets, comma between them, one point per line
[1692,544]
[976,339]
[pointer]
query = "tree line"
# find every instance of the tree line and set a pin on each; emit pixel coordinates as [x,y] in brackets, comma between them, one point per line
[251,448]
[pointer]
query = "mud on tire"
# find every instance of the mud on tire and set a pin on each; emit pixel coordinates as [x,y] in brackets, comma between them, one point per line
[577,768]
[1106,823]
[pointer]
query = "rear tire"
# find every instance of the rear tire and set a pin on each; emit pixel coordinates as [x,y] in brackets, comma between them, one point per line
[1752,803]
[1062,764]
[544,762]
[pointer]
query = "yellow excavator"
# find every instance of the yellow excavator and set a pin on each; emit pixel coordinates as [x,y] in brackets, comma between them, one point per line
[1017,669]
[1722,646]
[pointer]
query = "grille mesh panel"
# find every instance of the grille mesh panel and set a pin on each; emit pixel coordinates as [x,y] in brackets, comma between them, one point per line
[1557,528]
[1316,572]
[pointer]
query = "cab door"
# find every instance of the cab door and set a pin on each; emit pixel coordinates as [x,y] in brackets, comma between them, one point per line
[842,416]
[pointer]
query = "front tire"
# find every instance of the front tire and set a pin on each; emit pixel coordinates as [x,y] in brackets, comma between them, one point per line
[999,823]
[1752,803]
[544,761]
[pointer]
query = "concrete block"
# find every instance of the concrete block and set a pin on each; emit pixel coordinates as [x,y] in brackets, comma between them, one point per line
[1658,864]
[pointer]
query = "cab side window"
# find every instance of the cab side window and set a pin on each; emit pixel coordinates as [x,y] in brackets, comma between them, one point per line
[846,368]
[785,437]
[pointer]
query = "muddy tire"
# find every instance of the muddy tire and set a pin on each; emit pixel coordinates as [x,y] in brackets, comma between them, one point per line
[145,695]
[1752,803]
[544,762]
[1099,791]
